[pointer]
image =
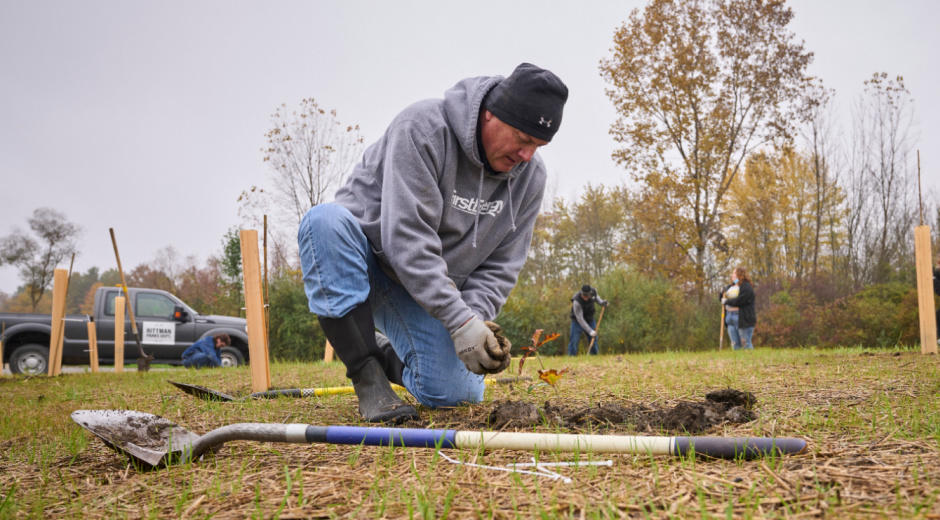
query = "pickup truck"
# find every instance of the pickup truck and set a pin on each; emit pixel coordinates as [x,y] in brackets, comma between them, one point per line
[166,326]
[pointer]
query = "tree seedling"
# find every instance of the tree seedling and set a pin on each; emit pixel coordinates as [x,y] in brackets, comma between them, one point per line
[551,376]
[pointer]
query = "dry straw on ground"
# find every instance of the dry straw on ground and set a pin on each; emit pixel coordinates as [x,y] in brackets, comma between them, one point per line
[871,419]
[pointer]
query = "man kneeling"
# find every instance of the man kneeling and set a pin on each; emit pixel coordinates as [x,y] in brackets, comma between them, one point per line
[427,238]
[205,352]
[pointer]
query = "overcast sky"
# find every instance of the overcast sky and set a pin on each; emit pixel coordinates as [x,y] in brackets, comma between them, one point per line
[149,117]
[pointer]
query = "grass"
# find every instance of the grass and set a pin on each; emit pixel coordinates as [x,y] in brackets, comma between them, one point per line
[872,419]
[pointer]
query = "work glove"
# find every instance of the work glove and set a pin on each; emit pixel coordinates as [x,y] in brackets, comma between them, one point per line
[481,348]
[592,333]
[605,304]
[723,300]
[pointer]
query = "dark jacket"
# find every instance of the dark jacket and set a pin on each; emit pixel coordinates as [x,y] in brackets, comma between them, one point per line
[205,346]
[936,281]
[747,315]
[583,311]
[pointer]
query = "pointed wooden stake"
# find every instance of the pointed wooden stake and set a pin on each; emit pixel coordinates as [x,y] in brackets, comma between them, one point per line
[928,324]
[59,288]
[254,312]
[119,334]
[93,346]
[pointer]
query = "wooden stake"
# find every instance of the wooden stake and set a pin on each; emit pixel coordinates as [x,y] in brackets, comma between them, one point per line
[93,347]
[68,282]
[328,354]
[119,334]
[59,284]
[254,312]
[925,301]
[721,334]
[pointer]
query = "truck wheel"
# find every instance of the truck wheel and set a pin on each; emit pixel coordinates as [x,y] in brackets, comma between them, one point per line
[30,360]
[231,357]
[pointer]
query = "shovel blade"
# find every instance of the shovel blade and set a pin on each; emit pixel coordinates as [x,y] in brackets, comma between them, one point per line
[150,441]
[206,394]
[143,362]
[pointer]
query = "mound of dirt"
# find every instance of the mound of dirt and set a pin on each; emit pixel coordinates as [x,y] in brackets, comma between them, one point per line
[686,417]
[513,414]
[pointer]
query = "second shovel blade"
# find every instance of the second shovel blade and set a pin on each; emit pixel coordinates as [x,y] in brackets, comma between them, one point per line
[202,392]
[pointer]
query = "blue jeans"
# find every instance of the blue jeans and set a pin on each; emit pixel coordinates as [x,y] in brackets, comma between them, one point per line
[740,338]
[340,272]
[200,360]
[576,332]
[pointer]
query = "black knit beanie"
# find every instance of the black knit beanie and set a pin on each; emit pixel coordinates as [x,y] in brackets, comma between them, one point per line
[531,100]
[586,290]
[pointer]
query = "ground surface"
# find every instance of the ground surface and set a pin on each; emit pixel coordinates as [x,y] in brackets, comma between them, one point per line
[871,419]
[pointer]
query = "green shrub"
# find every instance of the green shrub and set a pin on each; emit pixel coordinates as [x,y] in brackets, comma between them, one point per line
[294,334]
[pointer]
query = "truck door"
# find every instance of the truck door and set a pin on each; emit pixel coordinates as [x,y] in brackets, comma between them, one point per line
[161,335]
[105,328]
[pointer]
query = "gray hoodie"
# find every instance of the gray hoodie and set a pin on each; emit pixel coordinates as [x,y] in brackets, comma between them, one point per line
[453,235]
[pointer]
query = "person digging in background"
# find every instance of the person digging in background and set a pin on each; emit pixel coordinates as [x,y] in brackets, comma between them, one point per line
[426,240]
[205,352]
[740,315]
[582,319]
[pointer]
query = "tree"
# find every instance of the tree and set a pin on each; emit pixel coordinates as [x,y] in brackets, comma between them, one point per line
[577,242]
[884,187]
[699,85]
[818,135]
[309,152]
[774,213]
[230,270]
[53,239]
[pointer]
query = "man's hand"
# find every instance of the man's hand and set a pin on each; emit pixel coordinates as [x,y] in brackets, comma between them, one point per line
[724,300]
[479,349]
[592,333]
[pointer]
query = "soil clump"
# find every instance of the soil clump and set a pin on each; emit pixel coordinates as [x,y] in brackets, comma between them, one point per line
[686,417]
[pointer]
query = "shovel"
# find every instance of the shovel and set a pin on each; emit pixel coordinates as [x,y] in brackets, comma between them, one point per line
[150,441]
[207,394]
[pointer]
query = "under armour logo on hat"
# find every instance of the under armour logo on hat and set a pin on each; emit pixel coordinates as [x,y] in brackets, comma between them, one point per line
[542,121]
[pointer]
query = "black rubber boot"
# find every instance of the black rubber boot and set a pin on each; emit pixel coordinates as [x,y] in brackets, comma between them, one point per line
[394,367]
[353,340]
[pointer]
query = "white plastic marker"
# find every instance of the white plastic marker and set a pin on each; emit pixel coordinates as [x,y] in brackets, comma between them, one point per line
[544,473]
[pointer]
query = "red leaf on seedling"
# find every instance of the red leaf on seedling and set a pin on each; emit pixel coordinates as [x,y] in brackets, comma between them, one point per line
[535,341]
[531,349]
[551,376]
[551,337]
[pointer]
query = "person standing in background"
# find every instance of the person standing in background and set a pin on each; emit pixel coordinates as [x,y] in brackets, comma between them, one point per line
[740,315]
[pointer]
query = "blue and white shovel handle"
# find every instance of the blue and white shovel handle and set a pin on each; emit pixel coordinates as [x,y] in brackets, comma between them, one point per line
[717,447]
[155,441]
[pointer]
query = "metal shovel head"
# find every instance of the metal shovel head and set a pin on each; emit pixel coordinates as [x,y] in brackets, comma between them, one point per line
[206,394]
[148,440]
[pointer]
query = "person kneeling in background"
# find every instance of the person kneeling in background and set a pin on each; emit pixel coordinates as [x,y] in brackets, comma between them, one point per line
[205,352]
